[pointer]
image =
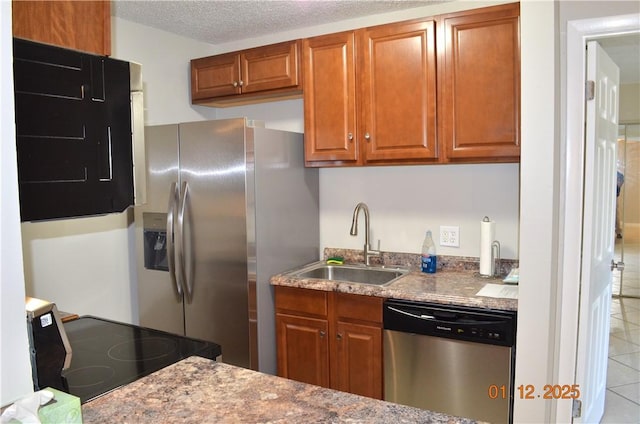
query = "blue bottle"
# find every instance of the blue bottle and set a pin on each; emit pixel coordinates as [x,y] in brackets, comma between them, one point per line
[429,260]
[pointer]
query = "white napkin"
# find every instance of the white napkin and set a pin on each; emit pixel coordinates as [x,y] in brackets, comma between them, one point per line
[25,410]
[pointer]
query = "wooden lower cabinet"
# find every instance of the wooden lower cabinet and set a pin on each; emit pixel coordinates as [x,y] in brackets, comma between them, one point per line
[303,349]
[358,362]
[330,339]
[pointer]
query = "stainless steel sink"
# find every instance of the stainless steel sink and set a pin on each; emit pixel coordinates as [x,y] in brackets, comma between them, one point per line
[352,273]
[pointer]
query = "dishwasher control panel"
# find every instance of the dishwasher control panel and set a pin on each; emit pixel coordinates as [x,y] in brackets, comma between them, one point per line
[454,322]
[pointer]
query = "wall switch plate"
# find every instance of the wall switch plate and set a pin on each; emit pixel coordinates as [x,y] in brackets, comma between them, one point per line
[449,236]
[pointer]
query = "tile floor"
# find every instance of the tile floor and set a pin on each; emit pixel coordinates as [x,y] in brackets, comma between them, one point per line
[622,402]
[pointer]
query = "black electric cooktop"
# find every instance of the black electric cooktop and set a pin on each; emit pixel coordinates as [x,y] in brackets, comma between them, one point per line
[108,354]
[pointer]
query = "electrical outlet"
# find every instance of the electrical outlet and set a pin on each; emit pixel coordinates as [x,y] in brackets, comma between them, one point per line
[449,236]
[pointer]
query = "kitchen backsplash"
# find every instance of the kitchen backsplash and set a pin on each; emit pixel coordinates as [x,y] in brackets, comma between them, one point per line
[412,260]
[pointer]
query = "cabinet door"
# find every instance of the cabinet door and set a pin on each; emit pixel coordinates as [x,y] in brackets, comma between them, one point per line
[215,76]
[398,92]
[330,100]
[270,68]
[481,84]
[359,359]
[303,349]
[78,25]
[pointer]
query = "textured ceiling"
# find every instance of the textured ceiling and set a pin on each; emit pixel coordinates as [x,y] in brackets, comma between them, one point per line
[221,21]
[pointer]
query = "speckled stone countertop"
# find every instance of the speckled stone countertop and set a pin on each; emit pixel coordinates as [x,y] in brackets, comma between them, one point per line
[198,390]
[456,281]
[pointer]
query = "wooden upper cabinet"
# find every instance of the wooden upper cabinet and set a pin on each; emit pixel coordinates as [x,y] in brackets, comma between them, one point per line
[480,113]
[272,70]
[215,76]
[370,96]
[78,25]
[330,99]
[398,92]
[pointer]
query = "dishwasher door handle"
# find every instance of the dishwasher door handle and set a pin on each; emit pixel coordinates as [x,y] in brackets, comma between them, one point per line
[409,314]
[426,317]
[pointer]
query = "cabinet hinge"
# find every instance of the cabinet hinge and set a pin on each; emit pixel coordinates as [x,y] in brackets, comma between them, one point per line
[590,88]
[576,410]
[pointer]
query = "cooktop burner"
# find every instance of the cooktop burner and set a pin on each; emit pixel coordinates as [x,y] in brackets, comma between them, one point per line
[108,354]
[153,348]
[89,376]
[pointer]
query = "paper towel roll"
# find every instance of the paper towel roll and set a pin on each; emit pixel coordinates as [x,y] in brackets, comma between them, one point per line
[487,236]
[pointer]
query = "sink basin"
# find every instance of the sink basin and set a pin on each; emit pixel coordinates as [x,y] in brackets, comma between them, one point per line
[352,273]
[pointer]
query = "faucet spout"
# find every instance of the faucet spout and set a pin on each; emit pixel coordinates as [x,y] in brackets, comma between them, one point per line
[354,220]
[354,231]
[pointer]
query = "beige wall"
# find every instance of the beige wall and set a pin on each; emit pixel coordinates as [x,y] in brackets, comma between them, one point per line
[631,187]
[630,114]
[630,103]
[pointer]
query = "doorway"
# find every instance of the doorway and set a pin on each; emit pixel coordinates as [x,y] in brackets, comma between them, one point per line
[578,32]
[622,404]
[623,368]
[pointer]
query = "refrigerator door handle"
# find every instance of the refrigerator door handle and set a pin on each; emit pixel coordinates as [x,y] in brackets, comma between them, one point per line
[171,257]
[188,289]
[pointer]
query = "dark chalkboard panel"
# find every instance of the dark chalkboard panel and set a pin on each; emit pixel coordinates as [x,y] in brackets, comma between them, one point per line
[73,132]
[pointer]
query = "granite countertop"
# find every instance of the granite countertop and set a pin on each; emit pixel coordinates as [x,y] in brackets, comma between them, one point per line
[198,390]
[455,283]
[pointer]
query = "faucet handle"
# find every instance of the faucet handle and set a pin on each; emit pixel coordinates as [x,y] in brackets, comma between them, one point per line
[375,252]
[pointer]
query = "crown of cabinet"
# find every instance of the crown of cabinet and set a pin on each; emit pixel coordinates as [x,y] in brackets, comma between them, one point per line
[79,25]
[261,73]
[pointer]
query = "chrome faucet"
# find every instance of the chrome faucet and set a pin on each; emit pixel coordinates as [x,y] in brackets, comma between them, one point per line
[354,231]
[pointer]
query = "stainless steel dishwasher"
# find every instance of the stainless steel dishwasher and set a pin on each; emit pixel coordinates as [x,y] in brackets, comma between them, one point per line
[451,359]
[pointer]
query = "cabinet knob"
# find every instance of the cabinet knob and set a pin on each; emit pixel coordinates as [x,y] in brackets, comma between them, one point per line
[235,83]
[241,83]
[367,136]
[350,136]
[339,336]
[322,333]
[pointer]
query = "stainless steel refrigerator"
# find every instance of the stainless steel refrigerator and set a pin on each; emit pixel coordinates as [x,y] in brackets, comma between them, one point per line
[228,205]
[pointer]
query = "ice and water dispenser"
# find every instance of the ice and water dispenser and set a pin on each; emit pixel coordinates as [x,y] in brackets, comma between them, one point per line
[155,240]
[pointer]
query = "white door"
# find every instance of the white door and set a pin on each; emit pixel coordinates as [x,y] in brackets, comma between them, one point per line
[598,232]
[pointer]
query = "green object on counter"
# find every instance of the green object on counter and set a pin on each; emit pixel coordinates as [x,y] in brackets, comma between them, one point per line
[513,277]
[63,408]
[336,260]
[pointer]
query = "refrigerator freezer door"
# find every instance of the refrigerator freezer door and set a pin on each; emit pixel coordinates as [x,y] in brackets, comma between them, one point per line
[160,306]
[215,235]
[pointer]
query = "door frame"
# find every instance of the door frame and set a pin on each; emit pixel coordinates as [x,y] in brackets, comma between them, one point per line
[572,186]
